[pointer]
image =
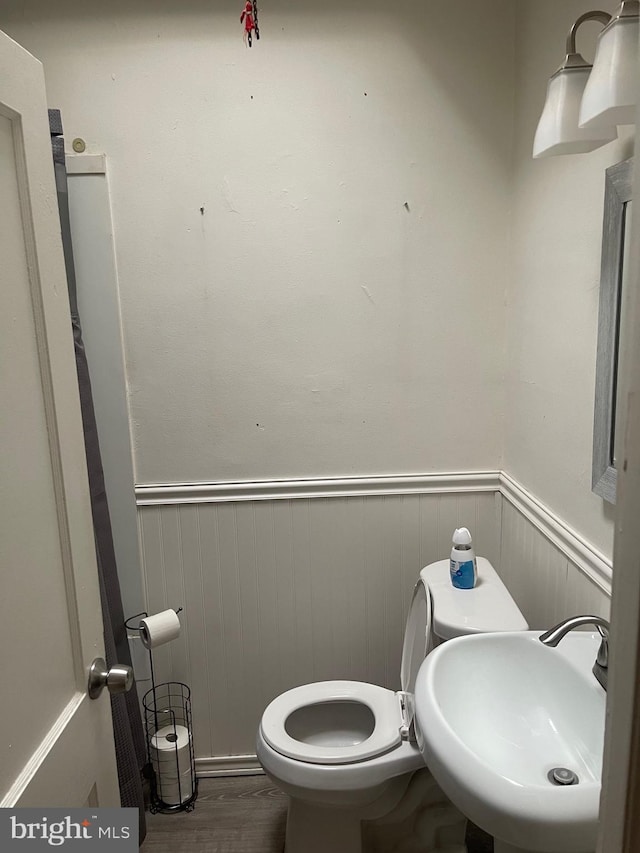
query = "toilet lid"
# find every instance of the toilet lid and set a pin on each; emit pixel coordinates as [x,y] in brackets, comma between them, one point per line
[416,636]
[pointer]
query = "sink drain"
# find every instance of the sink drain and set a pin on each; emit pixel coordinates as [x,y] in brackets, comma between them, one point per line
[562,776]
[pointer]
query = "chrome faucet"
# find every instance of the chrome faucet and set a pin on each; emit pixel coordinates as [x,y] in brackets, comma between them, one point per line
[601,666]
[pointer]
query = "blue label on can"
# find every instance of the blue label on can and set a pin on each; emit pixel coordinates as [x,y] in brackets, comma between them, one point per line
[463,575]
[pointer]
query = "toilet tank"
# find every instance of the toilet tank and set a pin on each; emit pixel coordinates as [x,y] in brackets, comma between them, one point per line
[485,608]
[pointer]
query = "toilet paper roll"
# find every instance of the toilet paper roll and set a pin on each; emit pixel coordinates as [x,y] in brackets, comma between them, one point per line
[171,773]
[172,767]
[170,738]
[172,791]
[174,796]
[159,629]
[171,750]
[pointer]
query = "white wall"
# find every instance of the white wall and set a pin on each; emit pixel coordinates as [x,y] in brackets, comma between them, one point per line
[553,293]
[303,325]
[307,323]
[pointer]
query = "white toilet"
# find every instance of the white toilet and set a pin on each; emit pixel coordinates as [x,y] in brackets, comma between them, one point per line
[345,751]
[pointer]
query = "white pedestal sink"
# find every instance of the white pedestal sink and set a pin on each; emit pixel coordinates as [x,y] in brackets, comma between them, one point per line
[496,713]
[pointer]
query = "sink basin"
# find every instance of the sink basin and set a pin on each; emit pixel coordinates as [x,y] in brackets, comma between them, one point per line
[495,714]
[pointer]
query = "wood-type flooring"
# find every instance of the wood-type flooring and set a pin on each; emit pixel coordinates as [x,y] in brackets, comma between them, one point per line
[239,814]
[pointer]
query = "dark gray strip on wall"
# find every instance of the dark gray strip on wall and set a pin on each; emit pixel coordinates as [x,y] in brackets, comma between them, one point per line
[127,723]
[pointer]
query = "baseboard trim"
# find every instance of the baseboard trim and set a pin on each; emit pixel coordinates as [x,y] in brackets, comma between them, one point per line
[228,765]
[582,554]
[190,493]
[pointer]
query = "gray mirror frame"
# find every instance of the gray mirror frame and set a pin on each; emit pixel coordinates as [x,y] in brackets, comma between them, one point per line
[618,190]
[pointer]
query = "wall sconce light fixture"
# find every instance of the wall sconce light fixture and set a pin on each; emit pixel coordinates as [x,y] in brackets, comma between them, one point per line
[583,106]
[611,91]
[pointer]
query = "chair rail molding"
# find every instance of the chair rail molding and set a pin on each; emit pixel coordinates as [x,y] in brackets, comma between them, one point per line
[329,487]
[575,547]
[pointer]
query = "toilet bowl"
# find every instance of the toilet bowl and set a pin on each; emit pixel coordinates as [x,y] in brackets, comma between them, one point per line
[345,751]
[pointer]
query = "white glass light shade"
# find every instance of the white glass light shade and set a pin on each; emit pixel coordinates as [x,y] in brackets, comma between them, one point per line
[558,131]
[611,92]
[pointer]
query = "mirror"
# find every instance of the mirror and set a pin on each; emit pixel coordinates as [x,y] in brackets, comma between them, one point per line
[615,249]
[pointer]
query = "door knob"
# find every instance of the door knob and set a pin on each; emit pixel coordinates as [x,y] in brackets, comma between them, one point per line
[118,679]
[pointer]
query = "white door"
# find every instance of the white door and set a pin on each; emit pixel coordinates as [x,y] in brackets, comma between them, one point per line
[56,744]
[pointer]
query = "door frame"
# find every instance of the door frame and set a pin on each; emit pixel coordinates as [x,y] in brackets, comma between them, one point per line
[620,799]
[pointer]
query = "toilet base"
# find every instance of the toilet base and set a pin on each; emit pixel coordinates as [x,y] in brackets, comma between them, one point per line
[317,829]
[411,810]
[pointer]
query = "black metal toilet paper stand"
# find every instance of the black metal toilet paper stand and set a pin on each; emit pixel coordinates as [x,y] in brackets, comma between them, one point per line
[167,712]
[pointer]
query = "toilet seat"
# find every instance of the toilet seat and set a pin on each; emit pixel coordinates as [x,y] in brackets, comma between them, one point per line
[384,705]
[392,712]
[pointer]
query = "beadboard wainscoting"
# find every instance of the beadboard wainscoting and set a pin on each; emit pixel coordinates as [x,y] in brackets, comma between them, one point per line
[283,583]
[279,590]
[549,569]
